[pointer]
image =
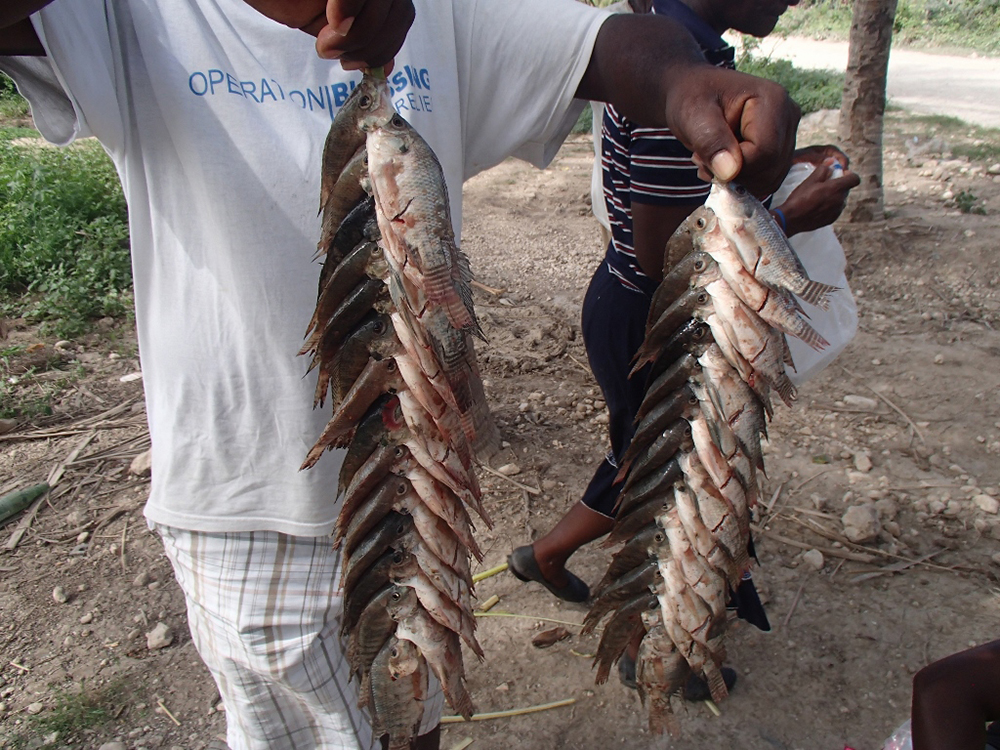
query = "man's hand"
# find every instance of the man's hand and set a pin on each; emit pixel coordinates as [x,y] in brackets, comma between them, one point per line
[819,200]
[736,125]
[358,33]
[817,155]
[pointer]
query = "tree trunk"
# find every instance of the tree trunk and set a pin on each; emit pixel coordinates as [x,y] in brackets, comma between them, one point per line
[863,106]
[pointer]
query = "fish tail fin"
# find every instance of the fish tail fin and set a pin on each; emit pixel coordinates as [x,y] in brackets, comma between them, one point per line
[817,293]
[786,390]
[809,335]
[716,683]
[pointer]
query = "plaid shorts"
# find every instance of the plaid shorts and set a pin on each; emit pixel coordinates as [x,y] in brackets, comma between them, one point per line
[264,611]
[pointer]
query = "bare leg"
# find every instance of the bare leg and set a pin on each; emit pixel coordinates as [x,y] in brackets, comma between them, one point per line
[954,698]
[578,527]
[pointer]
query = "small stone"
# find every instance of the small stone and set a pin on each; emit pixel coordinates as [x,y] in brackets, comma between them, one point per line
[939,359]
[862,462]
[63,345]
[87,618]
[893,528]
[142,465]
[82,537]
[509,470]
[987,504]
[59,594]
[131,377]
[7,425]
[35,708]
[996,558]
[113,746]
[114,356]
[994,169]
[133,634]
[142,578]
[814,559]
[887,508]
[861,523]
[548,485]
[503,687]
[159,637]
[860,402]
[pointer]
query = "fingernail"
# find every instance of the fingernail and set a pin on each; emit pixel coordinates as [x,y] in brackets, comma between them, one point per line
[332,54]
[344,26]
[724,166]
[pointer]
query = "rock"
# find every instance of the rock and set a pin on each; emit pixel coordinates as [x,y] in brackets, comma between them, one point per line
[509,470]
[59,594]
[939,358]
[887,509]
[35,708]
[87,618]
[994,169]
[861,523]
[860,402]
[131,377]
[996,558]
[142,465]
[141,579]
[814,559]
[987,504]
[862,462]
[503,687]
[113,746]
[7,425]
[159,637]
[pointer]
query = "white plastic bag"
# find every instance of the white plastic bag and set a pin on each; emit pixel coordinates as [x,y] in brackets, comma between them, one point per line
[901,739]
[823,257]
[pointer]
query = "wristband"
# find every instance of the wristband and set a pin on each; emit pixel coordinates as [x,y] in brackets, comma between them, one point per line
[781,217]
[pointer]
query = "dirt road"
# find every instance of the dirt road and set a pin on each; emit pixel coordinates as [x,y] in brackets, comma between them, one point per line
[963,87]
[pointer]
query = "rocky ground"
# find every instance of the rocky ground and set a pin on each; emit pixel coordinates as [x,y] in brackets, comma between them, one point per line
[879,541]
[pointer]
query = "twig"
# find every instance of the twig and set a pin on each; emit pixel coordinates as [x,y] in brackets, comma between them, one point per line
[579,363]
[891,405]
[489,573]
[19,666]
[487,289]
[527,617]
[526,488]
[122,555]
[511,712]
[829,551]
[769,507]
[894,567]
[795,603]
[804,482]
[710,705]
[159,702]
[489,603]
[54,476]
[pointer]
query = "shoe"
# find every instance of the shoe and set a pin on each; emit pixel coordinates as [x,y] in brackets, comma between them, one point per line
[696,689]
[523,565]
[626,671]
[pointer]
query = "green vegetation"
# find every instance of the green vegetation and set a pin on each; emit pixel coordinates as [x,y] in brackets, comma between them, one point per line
[962,24]
[975,143]
[73,713]
[12,105]
[968,203]
[64,253]
[812,90]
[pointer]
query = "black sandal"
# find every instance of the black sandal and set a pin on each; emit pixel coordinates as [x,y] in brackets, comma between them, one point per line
[696,689]
[523,565]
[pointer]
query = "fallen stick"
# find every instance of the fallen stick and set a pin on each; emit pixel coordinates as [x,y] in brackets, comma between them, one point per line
[804,482]
[159,702]
[891,405]
[489,603]
[527,617]
[795,603]
[831,551]
[710,704]
[487,289]
[526,488]
[489,573]
[511,712]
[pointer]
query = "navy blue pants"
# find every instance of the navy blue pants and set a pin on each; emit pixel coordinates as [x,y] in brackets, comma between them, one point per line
[614,326]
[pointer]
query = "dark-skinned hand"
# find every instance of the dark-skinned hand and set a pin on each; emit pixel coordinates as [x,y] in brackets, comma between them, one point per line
[817,155]
[358,33]
[819,200]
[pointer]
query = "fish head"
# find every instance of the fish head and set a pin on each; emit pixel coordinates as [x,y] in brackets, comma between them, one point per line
[404,658]
[385,343]
[377,266]
[731,202]
[406,566]
[402,602]
[373,102]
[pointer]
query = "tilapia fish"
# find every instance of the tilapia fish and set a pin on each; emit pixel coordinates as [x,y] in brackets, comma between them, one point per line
[391,343]
[714,351]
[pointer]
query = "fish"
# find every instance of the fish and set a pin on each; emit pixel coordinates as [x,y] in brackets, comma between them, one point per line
[351,272]
[762,246]
[375,626]
[678,404]
[362,518]
[633,553]
[384,459]
[370,433]
[620,630]
[670,380]
[666,327]
[364,588]
[354,355]
[676,281]
[638,517]
[347,194]
[399,687]
[359,226]
[351,310]
[373,546]
[346,135]
[634,582]
[657,453]
[648,488]
[780,310]
[439,646]
[660,672]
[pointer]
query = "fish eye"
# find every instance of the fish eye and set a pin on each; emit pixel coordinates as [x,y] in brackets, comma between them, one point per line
[699,332]
[401,488]
[397,557]
[659,537]
[397,121]
[391,365]
[693,400]
[379,327]
[699,265]
[395,596]
[702,298]
[365,101]
[740,190]
[700,222]
[399,451]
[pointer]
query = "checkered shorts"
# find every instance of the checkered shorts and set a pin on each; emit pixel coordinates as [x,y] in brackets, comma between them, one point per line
[264,612]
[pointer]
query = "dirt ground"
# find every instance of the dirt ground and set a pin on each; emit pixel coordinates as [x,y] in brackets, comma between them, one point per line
[908,419]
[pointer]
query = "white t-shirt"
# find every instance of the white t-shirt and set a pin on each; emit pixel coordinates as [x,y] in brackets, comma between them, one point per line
[215,117]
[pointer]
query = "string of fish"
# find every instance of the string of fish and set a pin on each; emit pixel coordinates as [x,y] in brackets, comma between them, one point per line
[391,340]
[715,343]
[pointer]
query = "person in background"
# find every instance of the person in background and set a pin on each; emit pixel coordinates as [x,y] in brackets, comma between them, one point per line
[954,698]
[650,185]
[215,117]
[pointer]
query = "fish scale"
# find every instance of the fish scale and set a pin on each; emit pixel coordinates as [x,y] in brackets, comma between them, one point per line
[715,348]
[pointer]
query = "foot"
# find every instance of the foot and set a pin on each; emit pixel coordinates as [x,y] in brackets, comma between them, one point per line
[524,566]
[696,689]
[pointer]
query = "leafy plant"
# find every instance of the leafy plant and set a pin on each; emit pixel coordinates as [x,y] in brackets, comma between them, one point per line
[812,90]
[64,250]
[968,203]
[12,104]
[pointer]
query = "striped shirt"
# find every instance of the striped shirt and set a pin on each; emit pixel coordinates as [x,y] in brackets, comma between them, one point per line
[649,165]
